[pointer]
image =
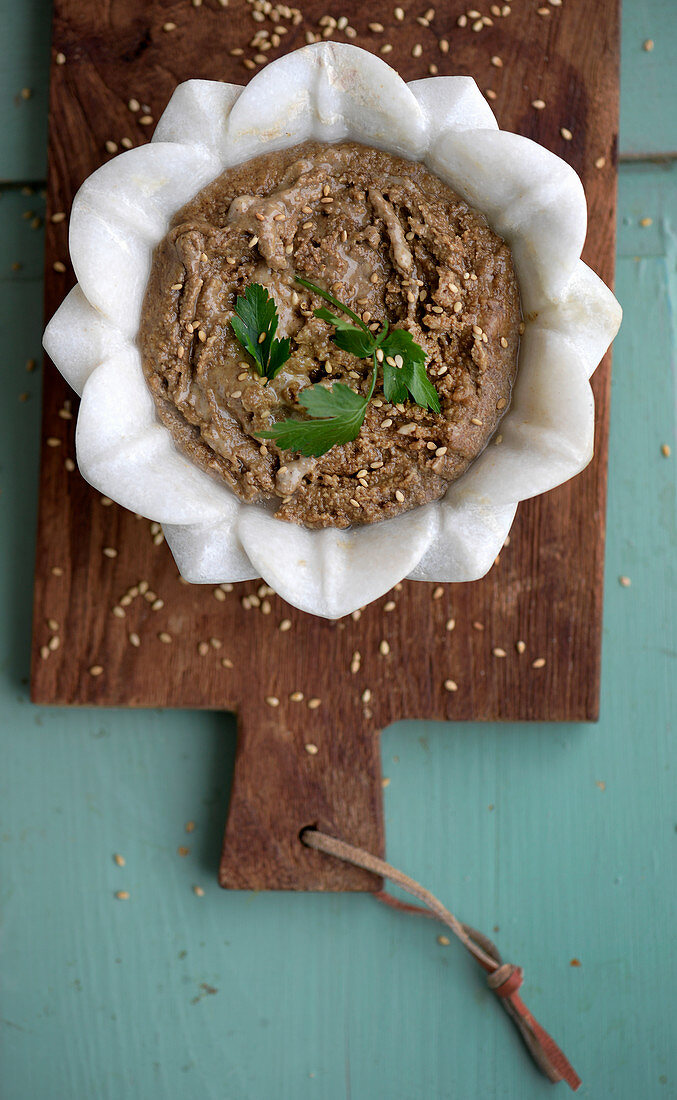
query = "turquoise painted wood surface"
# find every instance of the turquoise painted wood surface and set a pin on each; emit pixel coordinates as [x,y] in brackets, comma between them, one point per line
[562,836]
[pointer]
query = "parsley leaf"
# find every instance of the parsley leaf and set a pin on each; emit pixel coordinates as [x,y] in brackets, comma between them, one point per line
[338,412]
[255,325]
[399,382]
[338,416]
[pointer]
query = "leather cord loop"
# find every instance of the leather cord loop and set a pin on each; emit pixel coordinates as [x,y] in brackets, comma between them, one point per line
[504,979]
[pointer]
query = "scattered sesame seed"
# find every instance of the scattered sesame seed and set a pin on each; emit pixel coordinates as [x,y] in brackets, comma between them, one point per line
[665,450]
[197,890]
[624,582]
[566,134]
[497,62]
[645,222]
[110,552]
[272,700]
[54,643]
[648,45]
[122,895]
[417,50]
[134,639]
[538,663]
[59,267]
[390,605]
[444,941]
[56,571]
[111,147]
[95,670]
[285,625]
[165,637]
[377,28]
[438,592]
[478,625]
[313,704]
[311,749]
[384,648]
[538,104]
[450,685]
[399,14]
[296,696]
[450,624]
[182,850]
[399,495]
[520,646]
[226,662]
[600,162]
[60,58]
[498,652]
[385,782]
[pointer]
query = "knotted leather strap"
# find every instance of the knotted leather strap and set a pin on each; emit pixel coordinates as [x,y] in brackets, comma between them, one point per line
[504,979]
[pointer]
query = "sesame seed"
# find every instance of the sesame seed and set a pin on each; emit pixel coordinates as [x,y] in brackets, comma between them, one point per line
[134,105]
[538,104]
[444,941]
[110,552]
[462,21]
[498,652]
[54,643]
[313,704]
[476,420]
[645,222]
[478,625]
[59,267]
[450,624]
[520,646]
[44,652]
[600,162]
[497,62]
[377,28]
[665,450]
[538,663]
[624,582]
[311,749]
[501,403]
[566,134]
[69,465]
[122,895]
[384,648]
[366,695]
[143,587]
[111,147]
[197,890]
[450,685]
[417,50]
[165,637]
[120,860]
[146,120]
[56,571]
[648,45]
[438,592]
[399,495]
[389,606]
[399,14]
[285,625]
[60,58]
[226,662]
[135,639]
[272,700]
[95,670]
[296,696]
[119,612]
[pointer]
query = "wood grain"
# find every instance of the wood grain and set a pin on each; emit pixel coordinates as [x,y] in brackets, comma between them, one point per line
[547,586]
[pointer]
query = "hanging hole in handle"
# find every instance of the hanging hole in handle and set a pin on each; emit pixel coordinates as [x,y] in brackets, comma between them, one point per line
[312,827]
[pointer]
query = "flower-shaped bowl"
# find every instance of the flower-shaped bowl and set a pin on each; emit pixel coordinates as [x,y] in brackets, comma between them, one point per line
[332,92]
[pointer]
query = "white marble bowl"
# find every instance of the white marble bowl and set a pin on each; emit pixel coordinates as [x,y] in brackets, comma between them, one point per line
[332,92]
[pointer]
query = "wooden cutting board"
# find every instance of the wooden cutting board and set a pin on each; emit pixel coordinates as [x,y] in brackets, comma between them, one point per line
[316,759]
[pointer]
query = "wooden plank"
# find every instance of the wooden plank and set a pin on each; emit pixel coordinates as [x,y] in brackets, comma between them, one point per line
[547,586]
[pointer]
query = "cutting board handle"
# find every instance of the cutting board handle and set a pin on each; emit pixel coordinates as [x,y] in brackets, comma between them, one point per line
[281,785]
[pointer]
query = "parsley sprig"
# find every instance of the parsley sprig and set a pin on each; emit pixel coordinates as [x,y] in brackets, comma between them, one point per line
[255,325]
[337,412]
